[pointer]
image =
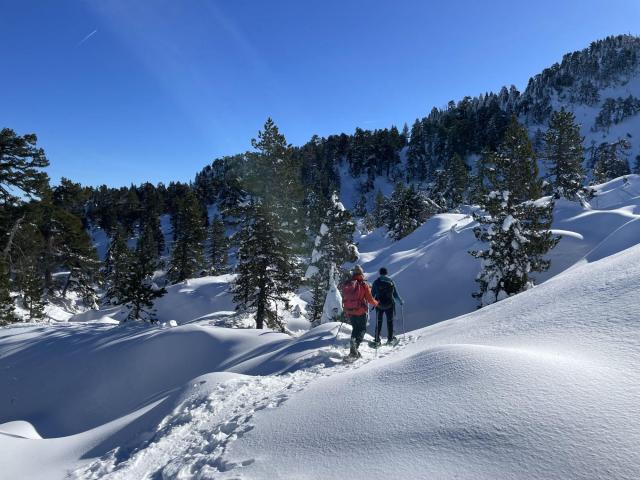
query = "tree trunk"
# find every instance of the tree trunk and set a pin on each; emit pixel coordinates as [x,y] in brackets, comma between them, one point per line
[260,315]
[12,234]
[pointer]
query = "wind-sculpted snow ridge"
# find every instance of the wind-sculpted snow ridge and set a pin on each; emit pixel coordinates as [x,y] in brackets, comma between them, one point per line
[192,441]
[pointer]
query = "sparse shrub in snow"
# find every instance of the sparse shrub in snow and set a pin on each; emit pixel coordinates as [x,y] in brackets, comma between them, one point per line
[515,228]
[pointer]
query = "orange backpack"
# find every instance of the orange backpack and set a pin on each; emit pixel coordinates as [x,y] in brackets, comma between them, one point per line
[353,293]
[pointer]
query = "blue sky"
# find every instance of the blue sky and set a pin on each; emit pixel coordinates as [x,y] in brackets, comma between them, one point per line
[126,91]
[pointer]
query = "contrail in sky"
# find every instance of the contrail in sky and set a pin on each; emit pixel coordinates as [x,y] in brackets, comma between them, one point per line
[87,38]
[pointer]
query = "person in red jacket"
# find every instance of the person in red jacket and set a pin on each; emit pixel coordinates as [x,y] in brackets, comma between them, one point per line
[356,298]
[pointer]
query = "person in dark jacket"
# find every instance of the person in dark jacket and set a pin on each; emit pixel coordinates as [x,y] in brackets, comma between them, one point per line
[356,294]
[386,293]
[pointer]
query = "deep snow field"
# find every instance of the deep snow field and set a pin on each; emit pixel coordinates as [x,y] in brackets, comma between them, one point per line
[542,385]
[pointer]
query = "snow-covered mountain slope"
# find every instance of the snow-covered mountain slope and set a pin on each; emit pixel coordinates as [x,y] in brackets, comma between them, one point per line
[435,274]
[541,385]
[431,266]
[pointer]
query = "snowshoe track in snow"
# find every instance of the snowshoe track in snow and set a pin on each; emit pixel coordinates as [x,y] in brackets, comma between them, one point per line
[192,441]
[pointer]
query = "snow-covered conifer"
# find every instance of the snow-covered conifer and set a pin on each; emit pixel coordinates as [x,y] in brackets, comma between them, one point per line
[406,210]
[515,227]
[610,160]
[333,247]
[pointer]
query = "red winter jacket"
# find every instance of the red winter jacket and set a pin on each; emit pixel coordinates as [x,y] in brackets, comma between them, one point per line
[356,293]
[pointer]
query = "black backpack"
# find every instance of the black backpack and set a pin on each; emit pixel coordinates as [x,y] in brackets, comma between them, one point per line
[384,294]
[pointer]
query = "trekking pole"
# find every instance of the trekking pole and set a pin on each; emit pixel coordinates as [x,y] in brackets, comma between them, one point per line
[335,339]
[404,333]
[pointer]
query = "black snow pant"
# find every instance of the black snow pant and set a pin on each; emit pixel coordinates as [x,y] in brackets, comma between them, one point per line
[389,313]
[359,324]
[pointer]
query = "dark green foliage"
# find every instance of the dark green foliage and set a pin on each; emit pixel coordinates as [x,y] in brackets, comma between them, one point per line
[20,166]
[451,184]
[267,272]
[564,154]
[360,207]
[7,305]
[516,228]
[27,258]
[615,110]
[187,256]
[139,291]
[478,181]
[218,251]
[579,76]
[610,160]
[379,209]
[271,227]
[67,246]
[636,165]
[116,267]
[275,179]
[406,210]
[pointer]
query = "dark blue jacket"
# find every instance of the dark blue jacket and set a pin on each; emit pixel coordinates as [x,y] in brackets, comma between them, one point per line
[376,286]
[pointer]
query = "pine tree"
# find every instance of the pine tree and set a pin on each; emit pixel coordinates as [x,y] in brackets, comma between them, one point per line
[66,245]
[478,188]
[610,160]
[451,184]
[27,260]
[7,306]
[190,234]
[140,292]
[275,179]
[406,210]
[379,208]
[564,153]
[333,247]
[20,166]
[116,267]
[360,208]
[267,272]
[516,228]
[218,247]
[32,284]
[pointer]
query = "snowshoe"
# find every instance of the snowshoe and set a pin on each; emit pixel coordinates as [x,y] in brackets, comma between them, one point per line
[352,357]
[393,342]
[375,344]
